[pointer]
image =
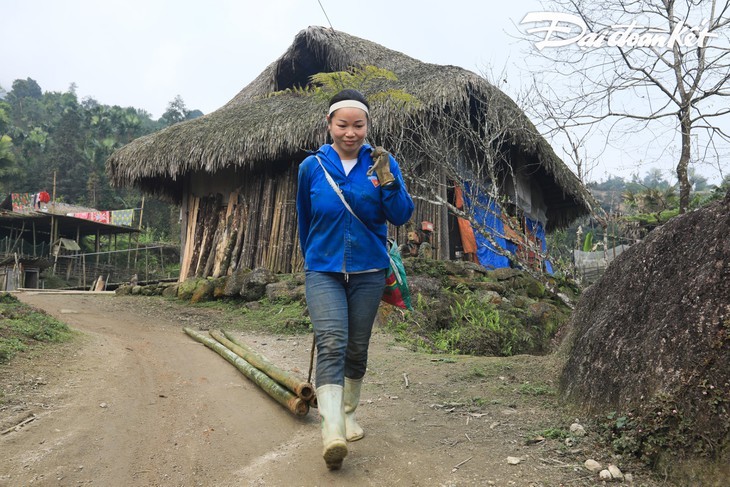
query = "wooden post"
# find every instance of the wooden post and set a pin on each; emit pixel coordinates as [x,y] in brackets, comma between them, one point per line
[54,223]
[141,212]
[162,263]
[97,246]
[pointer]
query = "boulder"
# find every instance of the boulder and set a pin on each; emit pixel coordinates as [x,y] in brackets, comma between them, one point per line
[652,338]
[186,288]
[219,286]
[170,291]
[503,273]
[255,282]
[284,292]
[123,290]
[203,291]
[428,286]
[234,283]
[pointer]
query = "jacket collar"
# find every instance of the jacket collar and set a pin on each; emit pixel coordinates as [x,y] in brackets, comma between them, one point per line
[333,158]
[329,152]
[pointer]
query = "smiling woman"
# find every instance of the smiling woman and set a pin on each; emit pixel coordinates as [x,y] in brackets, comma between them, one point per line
[345,258]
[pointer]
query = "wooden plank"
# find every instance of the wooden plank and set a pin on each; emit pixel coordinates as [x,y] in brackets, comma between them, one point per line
[198,236]
[242,215]
[210,221]
[274,253]
[218,243]
[191,223]
[248,252]
[264,227]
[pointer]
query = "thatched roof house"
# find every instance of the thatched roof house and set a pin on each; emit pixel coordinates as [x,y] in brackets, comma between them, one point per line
[234,170]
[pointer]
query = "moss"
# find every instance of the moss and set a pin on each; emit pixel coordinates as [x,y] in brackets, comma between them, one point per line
[186,289]
[203,291]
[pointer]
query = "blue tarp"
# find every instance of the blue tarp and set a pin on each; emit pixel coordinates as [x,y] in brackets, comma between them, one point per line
[539,231]
[487,215]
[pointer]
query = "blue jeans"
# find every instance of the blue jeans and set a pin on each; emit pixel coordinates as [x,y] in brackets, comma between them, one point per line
[342,308]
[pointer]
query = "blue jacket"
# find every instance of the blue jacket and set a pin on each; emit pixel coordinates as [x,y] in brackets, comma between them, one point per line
[331,239]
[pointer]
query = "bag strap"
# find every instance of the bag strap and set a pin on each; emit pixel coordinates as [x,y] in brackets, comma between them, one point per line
[338,191]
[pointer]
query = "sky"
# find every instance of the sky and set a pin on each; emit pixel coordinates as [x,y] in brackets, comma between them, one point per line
[144,53]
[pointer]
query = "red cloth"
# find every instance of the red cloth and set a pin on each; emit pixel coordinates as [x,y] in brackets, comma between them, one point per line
[468,239]
[44,197]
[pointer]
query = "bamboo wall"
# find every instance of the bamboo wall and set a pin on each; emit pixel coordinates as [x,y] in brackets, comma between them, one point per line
[252,226]
[251,221]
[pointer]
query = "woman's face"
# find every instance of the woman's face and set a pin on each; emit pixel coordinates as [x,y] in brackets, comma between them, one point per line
[348,128]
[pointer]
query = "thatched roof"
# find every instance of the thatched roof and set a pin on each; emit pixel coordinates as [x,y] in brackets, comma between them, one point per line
[256,129]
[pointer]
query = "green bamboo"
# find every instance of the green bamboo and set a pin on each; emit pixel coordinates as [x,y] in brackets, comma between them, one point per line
[283,396]
[297,386]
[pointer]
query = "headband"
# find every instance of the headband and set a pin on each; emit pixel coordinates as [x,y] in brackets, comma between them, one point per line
[348,104]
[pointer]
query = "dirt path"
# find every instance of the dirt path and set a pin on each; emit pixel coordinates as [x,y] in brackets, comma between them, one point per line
[135,402]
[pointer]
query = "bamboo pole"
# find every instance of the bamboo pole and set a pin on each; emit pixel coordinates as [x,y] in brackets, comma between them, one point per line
[242,216]
[297,386]
[281,395]
[191,222]
[141,213]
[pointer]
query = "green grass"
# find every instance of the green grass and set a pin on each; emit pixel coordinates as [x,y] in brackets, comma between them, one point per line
[529,389]
[555,433]
[23,327]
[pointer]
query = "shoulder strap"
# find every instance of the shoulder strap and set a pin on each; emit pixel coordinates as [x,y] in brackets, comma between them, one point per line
[338,191]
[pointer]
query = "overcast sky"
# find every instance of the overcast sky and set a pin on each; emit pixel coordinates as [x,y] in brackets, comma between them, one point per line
[144,53]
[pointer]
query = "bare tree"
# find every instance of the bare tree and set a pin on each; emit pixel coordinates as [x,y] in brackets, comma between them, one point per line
[470,149]
[662,64]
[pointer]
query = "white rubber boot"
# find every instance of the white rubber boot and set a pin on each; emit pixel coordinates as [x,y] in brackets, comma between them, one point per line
[332,412]
[353,431]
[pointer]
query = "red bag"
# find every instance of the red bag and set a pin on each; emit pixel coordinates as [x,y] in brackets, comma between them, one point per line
[396,286]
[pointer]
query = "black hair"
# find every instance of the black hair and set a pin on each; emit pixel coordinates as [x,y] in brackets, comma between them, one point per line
[349,94]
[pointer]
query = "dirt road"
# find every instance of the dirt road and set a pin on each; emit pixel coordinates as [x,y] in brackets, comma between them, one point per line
[136,402]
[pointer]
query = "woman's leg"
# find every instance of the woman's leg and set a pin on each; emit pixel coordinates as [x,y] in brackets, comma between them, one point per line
[364,292]
[327,305]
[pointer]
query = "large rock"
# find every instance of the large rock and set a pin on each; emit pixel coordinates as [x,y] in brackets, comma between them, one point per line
[170,291]
[428,286]
[284,292]
[652,337]
[203,291]
[186,288]
[254,284]
[234,283]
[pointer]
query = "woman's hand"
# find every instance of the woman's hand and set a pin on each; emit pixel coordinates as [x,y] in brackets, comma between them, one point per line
[381,166]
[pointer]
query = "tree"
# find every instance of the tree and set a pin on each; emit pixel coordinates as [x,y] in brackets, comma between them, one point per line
[7,159]
[27,88]
[176,112]
[8,167]
[662,64]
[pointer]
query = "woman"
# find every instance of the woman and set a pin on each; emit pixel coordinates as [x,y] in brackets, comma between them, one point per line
[345,258]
